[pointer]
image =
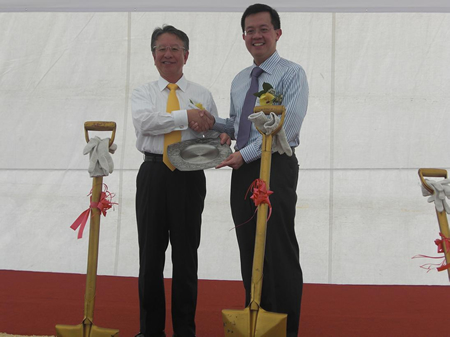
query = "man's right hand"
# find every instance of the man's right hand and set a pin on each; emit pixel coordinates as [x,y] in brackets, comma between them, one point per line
[234,161]
[200,120]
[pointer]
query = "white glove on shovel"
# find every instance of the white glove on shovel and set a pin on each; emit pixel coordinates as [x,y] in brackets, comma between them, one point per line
[100,161]
[267,124]
[441,191]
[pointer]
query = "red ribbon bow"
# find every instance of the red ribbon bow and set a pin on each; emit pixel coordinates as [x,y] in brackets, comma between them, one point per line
[260,194]
[103,205]
[440,248]
[440,244]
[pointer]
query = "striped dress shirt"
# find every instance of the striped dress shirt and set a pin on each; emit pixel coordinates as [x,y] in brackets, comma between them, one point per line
[287,78]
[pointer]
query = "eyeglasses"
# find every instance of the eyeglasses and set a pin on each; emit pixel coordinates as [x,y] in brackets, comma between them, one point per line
[252,31]
[174,49]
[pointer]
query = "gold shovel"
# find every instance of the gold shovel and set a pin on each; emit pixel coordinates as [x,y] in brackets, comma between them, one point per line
[87,327]
[442,216]
[254,321]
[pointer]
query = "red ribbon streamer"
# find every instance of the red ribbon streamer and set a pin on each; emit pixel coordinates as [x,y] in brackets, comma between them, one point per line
[440,248]
[103,205]
[81,222]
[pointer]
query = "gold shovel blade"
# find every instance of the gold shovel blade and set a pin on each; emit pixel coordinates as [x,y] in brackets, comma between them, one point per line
[237,323]
[103,332]
[69,330]
[83,330]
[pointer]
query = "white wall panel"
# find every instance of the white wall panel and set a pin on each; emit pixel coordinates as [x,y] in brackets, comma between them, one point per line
[378,111]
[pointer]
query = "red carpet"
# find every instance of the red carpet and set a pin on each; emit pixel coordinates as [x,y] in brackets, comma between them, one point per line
[33,303]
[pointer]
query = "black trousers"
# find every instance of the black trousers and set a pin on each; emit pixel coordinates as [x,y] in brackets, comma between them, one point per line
[169,206]
[283,279]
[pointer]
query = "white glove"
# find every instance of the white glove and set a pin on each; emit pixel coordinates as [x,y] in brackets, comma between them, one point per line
[267,124]
[100,161]
[259,119]
[441,191]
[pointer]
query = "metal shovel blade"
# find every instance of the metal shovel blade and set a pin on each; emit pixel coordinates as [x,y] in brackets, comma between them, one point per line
[69,330]
[84,330]
[238,323]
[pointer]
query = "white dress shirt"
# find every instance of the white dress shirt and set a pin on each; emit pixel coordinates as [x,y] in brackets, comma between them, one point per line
[151,120]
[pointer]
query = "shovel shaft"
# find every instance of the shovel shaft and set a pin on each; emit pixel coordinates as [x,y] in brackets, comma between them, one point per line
[94,234]
[261,226]
[443,226]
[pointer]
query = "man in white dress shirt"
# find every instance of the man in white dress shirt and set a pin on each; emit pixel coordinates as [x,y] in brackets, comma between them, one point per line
[169,202]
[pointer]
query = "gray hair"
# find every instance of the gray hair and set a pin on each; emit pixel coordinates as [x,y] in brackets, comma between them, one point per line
[171,30]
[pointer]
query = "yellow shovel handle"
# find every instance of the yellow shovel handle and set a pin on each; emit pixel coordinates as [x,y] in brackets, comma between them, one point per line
[92,263]
[430,172]
[261,221]
[94,234]
[261,227]
[100,126]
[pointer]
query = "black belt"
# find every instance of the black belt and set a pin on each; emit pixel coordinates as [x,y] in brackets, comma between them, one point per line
[153,157]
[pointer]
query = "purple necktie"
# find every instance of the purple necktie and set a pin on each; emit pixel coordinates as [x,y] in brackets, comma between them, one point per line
[249,103]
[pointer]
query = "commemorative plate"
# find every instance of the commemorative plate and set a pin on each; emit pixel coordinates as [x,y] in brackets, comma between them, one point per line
[197,154]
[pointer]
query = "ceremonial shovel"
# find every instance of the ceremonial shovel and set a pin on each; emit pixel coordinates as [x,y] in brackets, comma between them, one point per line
[87,327]
[254,321]
[442,216]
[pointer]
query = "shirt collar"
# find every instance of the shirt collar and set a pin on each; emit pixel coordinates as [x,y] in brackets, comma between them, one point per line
[269,65]
[182,83]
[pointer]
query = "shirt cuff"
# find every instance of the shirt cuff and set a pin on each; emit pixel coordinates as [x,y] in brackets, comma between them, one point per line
[180,119]
[248,155]
[220,124]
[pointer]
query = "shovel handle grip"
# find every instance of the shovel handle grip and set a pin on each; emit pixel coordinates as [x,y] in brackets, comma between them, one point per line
[430,172]
[100,126]
[267,109]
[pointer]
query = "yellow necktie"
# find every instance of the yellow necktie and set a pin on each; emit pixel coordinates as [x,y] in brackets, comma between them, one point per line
[174,136]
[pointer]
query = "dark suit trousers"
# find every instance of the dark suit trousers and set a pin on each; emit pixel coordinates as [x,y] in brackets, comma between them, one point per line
[169,206]
[283,279]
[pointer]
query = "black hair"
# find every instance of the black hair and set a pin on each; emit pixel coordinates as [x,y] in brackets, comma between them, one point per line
[258,8]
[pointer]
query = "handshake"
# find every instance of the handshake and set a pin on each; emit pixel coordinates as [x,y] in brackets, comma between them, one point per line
[200,120]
